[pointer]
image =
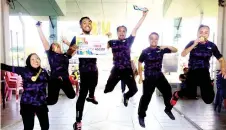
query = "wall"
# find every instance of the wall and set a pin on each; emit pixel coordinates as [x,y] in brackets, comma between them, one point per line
[4,37]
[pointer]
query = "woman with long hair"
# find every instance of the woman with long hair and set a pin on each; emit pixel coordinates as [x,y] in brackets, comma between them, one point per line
[59,62]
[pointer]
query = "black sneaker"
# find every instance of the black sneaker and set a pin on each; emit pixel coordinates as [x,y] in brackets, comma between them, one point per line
[93,100]
[141,121]
[125,101]
[77,126]
[170,114]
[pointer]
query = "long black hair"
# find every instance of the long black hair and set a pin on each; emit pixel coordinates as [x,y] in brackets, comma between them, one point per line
[28,63]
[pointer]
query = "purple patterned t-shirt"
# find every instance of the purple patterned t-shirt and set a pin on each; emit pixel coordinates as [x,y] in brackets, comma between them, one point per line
[34,92]
[121,52]
[58,63]
[152,58]
[201,54]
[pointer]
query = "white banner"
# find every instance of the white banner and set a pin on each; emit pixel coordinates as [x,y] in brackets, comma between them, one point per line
[91,46]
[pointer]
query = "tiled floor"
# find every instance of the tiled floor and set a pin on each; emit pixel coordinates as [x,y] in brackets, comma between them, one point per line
[202,114]
[109,114]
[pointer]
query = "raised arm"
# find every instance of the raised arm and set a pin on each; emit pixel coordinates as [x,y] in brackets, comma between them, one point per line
[65,41]
[171,48]
[139,23]
[42,36]
[17,70]
[189,47]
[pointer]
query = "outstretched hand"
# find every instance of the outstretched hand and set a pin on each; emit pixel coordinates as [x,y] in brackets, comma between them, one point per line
[145,12]
[64,40]
[109,34]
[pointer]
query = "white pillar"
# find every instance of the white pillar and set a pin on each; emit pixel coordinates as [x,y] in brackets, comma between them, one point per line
[1,33]
[221,36]
[4,31]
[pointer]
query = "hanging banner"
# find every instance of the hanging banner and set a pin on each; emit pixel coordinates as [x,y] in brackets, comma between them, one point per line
[91,46]
[100,28]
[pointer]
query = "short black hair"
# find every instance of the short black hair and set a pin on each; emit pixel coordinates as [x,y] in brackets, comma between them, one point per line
[80,21]
[122,26]
[185,68]
[202,25]
[154,33]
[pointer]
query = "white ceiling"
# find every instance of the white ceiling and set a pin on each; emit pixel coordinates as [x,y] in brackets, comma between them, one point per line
[191,8]
[112,10]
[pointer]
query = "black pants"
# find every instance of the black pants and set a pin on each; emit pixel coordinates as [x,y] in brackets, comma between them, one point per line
[88,84]
[149,85]
[126,76]
[201,78]
[54,87]
[28,115]
[224,87]
[123,86]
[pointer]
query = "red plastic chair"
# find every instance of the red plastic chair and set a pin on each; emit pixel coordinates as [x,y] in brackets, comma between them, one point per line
[13,82]
[75,83]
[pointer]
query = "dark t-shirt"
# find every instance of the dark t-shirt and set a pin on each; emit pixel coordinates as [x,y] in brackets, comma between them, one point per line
[121,52]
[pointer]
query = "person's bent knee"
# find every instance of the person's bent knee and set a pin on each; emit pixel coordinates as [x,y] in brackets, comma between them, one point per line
[51,102]
[72,96]
[135,90]
[208,100]
[107,90]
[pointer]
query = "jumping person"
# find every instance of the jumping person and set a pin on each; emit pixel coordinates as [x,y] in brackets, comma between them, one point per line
[122,69]
[152,58]
[59,62]
[33,99]
[88,75]
[201,50]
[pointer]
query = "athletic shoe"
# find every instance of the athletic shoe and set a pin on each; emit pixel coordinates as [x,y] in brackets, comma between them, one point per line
[125,101]
[170,114]
[93,100]
[77,126]
[141,121]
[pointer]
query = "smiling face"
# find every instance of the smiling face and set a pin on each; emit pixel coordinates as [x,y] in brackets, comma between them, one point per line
[86,25]
[121,32]
[35,61]
[153,39]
